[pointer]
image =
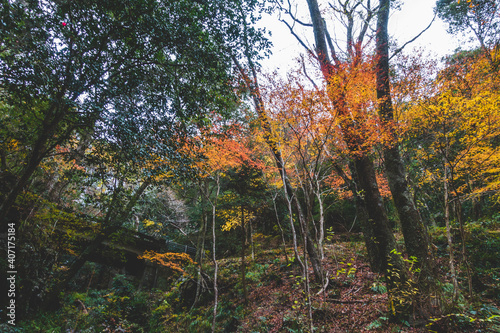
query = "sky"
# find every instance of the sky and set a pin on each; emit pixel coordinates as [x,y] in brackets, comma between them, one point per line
[405,24]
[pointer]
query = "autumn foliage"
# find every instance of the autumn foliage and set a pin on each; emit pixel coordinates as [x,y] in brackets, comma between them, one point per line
[171,260]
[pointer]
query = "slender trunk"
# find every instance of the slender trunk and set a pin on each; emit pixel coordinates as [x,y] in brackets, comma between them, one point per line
[200,244]
[465,259]
[3,160]
[307,285]
[457,208]
[304,227]
[251,239]
[281,228]
[415,234]
[451,261]
[305,224]
[321,223]
[309,203]
[243,263]
[200,248]
[214,258]
[294,232]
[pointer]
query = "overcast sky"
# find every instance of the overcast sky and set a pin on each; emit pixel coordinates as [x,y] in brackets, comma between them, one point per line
[414,16]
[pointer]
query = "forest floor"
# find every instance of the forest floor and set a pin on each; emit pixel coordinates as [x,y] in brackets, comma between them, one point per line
[355,300]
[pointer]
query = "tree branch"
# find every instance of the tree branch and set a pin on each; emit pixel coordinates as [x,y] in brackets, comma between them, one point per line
[330,44]
[301,42]
[413,39]
[307,75]
[295,19]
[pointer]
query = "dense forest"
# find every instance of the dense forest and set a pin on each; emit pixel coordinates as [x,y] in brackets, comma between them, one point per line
[156,177]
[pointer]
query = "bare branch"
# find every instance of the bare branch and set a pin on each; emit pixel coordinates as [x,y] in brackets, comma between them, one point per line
[301,42]
[289,12]
[307,75]
[413,39]
[330,44]
[294,18]
[370,14]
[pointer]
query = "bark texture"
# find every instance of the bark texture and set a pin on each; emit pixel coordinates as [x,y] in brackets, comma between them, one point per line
[414,231]
[378,224]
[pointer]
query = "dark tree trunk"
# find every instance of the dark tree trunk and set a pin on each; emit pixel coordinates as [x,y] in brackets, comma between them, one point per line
[31,165]
[377,218]
[39,150]
[243,248]
[378,224]
[361,212]
[415,234]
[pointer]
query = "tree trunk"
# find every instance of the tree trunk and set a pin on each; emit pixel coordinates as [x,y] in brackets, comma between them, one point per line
[252,245]
[38,151]
[32,164]
[362,214]
[200,244]
[377,219]
[281,228]
[415,234]
[309,245]
[465,259]
[378,222]
[243,263]
[214,257]
[451,261]
[321,223]
[201,236]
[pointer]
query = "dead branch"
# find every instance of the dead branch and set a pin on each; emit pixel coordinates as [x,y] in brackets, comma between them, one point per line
[301,42]
[413,39]
[294,18]
[307,75]
[354,301]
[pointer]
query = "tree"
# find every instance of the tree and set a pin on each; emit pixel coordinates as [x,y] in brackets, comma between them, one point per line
[116,177]
[243,191]
[64,64]
[477,16]
[218,154]
[415,234]
[248,77]
[454,133]
[377,225]
[306,134]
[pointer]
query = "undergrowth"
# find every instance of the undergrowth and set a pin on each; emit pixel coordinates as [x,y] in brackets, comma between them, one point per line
[355,301]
